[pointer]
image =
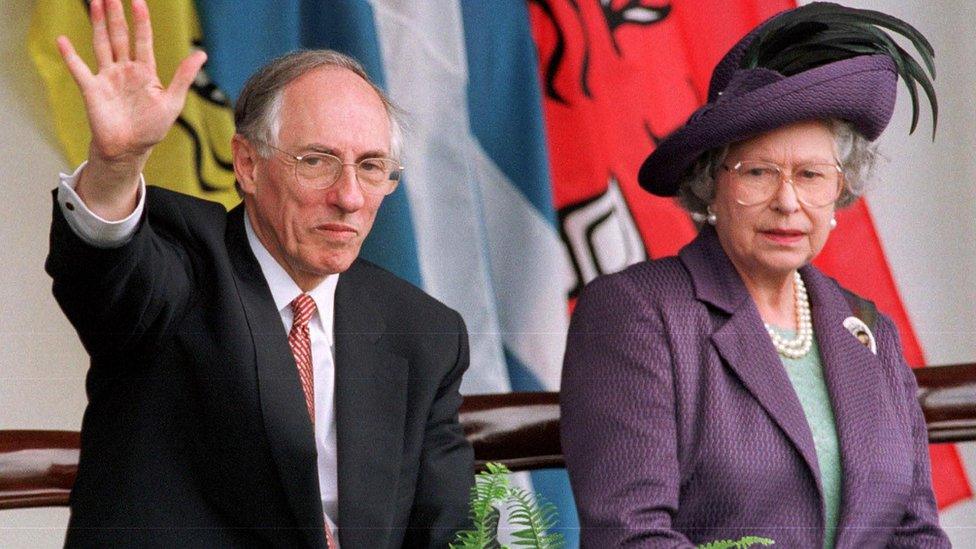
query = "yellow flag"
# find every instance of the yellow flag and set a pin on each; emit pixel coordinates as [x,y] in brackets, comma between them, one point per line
[195,157]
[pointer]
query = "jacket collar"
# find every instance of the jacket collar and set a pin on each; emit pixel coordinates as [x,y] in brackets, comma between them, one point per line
[742,340]
[714,277]
[286,422]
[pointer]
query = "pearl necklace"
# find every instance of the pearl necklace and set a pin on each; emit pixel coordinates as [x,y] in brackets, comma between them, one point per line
[798,347]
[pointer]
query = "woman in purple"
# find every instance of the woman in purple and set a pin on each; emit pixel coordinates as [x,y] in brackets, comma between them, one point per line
[735,390]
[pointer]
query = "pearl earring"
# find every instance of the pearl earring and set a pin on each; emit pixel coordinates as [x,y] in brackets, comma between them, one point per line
[711,218]
[833,222]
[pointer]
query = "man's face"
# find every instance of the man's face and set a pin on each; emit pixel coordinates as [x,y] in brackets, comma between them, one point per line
[316,232]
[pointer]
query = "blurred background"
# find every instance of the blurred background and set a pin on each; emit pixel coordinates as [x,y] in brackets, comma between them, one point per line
[528,121]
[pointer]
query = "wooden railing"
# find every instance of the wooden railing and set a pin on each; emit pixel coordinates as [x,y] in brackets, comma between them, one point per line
[521,430]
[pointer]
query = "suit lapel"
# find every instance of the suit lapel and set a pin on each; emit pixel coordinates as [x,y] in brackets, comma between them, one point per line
[287,425]
[750,354]
[744,344]
[371,402]
[854,377]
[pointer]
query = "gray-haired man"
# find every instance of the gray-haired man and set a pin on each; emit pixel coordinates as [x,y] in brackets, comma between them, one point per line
[242,392]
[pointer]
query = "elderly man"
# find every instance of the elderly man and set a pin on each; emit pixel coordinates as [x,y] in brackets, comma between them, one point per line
[241,391]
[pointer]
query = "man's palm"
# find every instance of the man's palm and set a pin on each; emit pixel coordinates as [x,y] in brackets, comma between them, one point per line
[128,108]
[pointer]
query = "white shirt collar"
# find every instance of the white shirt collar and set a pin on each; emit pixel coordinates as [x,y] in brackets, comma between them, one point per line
[283,288]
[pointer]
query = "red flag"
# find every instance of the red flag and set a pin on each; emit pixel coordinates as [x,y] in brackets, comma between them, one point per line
[618,76]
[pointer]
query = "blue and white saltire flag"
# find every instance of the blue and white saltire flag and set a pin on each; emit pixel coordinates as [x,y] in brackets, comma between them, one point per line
[473,222]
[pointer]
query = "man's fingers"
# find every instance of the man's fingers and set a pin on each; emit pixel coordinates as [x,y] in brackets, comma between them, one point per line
[118,29]
[100,42]
[142,29]
[76,65]
[184,76]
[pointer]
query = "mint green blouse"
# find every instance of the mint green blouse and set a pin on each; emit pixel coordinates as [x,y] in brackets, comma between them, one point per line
[806,375]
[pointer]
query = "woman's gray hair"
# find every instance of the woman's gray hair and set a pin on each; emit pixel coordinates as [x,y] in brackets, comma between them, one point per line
[257,115]
[858,158]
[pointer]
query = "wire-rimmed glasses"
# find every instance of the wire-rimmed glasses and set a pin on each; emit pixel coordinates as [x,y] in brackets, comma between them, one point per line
[320,170]
[816,184]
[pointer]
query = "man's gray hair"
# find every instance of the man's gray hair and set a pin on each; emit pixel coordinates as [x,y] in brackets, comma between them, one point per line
[858,158]
[257,115]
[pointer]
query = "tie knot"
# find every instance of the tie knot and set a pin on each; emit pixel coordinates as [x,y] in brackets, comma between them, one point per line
[303,307]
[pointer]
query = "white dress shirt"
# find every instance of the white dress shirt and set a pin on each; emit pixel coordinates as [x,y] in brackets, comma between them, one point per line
[111,234]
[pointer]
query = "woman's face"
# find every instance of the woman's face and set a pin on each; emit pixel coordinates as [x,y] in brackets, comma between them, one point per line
[774,237]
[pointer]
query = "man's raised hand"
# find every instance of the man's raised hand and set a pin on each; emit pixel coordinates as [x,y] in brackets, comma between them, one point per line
[128,108]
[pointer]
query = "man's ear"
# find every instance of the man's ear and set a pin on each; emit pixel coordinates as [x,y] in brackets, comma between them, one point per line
[245,163]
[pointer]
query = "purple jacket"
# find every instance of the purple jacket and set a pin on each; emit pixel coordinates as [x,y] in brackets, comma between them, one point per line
[680,425]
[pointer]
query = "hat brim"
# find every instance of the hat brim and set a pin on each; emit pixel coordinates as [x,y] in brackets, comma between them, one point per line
[860,90]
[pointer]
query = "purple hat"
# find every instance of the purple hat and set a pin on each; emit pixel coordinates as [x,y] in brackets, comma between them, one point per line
[819,61]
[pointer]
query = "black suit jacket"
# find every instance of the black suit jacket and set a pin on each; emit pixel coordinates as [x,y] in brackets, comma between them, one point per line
[196,432]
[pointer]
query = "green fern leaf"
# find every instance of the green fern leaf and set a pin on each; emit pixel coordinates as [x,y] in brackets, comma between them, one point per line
[718,544]
[535,518]
[749,541]
[741,543]
[490,490]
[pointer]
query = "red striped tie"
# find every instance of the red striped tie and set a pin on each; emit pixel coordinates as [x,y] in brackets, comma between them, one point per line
[303,308]
[330,536]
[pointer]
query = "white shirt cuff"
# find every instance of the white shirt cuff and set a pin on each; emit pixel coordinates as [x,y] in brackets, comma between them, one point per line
[91,228]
